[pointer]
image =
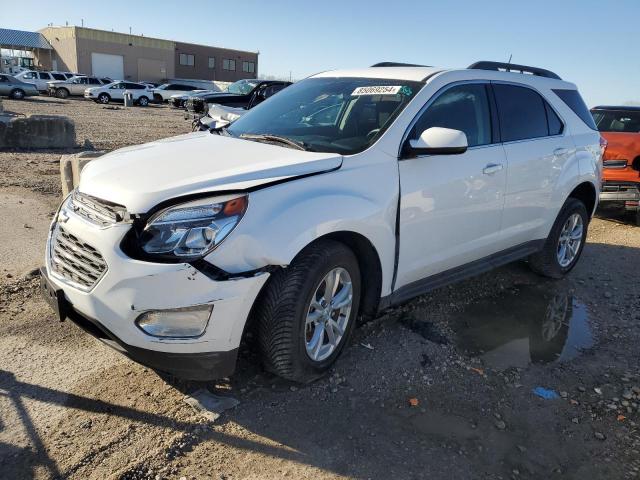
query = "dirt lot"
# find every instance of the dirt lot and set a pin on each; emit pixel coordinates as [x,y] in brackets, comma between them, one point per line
[470,355]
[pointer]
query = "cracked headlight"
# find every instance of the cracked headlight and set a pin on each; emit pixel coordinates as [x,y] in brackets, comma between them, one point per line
[192,230]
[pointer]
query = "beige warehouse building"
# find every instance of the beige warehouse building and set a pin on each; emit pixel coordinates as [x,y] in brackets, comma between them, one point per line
[135,57]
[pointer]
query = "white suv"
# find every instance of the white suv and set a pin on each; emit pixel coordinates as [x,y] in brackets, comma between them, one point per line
[346,193]
[115,91]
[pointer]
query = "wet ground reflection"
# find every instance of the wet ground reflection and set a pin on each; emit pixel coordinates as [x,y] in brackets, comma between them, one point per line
[527,325]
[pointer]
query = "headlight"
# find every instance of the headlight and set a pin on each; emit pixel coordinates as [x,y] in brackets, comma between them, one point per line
[192,230]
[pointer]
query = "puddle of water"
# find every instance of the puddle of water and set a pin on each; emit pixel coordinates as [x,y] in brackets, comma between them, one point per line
[530,325]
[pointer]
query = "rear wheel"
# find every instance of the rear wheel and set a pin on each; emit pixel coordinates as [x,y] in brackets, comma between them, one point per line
[565,242]
[143,101]
[308,311]
[17,94]
[104,98]
[62,93]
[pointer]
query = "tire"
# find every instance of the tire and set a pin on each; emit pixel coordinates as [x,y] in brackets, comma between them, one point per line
[104,98]
[157,98]
[637,217]
[17,94]
[62,93]
[547,262]
[283,308]
[143,101]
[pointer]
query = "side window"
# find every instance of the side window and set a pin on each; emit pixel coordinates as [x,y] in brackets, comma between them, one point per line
[44,76]
[58,76]
[83,81]
[272,90]
[555,124]
[94,81]
[463,107]
[522,113]
[575,102]
[30,75]
[115,86]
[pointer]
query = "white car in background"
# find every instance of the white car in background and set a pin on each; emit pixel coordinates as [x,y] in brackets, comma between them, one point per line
[115,92]
[164,92]
[39,79]
[75,85]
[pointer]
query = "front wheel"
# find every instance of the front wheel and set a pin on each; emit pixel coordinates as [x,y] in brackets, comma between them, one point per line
[62,93]
[17,94]
[308,311]
[565,242]
[143,101]
[103,98]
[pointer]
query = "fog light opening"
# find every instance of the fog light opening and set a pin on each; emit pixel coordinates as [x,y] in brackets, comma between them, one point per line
[185,322]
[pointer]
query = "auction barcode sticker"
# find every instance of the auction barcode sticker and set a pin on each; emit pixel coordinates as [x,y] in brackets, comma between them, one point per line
[380,90]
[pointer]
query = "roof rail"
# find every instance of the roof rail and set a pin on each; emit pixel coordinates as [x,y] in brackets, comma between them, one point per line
[396,64]
[512,67]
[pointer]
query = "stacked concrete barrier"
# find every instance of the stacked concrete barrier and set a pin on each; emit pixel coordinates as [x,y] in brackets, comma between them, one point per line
[36,131]
[71,166]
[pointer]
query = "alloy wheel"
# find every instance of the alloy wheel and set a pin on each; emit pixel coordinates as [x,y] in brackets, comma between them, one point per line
[328,314]
[570,240]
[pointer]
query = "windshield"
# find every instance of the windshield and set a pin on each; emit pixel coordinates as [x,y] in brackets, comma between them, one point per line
[163,86]
[617,121]
[339,115]
[242,87]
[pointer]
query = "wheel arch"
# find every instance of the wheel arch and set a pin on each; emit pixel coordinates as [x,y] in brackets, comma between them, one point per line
[587,194]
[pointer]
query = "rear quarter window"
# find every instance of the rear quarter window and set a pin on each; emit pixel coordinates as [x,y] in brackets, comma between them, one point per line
[575,102]
[522,113]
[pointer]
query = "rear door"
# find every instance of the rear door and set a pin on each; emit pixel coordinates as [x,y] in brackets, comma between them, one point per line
[43,78]
[537,148]
[451,205]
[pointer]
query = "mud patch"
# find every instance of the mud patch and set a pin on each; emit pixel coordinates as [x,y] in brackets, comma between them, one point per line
[528,325]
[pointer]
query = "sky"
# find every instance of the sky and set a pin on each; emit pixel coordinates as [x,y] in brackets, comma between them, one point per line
[591,43]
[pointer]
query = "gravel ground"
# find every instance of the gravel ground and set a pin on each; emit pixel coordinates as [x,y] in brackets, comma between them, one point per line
[440,388]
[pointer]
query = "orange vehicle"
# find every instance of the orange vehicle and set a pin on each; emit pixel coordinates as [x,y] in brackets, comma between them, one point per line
[620,127]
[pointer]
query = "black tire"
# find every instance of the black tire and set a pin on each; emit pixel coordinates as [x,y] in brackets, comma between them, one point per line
[62,93]
[283,306]
[17,94]
[104,98]
[143,101]
[157,98]
[545,262]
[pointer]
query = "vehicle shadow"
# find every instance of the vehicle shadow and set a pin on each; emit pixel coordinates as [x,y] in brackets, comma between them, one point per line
[616,215]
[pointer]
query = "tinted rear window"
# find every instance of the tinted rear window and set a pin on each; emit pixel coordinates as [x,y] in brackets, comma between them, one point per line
[58,76]
[522,113]
[617,120]
[575,102]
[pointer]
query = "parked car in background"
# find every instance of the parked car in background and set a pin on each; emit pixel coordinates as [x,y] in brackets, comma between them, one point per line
[63,75]
[115,92]
[620,127]
[164,92]
[16,89]
[219,116]
[349,192]
[39,79]
[240,94]
[75,85]
[178,100]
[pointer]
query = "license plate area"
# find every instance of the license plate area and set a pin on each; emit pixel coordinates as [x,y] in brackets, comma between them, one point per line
[53,296]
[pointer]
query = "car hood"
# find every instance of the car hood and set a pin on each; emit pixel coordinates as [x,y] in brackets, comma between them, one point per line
[142,176]
[622,145]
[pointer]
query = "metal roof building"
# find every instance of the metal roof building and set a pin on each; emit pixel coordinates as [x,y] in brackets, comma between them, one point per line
[21,40]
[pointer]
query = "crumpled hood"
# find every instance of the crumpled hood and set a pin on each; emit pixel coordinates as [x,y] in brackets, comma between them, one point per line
[142,176]
[622,146]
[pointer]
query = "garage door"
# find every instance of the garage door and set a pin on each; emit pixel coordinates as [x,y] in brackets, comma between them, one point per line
[105,65]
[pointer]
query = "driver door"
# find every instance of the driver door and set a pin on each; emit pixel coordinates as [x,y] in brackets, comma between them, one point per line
[451,205]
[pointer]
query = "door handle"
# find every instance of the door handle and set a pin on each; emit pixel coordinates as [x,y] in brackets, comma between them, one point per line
[492,168]
[560,151]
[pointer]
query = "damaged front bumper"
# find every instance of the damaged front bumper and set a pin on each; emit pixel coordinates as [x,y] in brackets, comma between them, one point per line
[108,302]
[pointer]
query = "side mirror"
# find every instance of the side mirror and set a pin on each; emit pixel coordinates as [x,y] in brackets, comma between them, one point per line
[437,141]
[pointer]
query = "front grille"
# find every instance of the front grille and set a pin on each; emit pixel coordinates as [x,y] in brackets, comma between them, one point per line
[74,260]
[97,211]
[619,187]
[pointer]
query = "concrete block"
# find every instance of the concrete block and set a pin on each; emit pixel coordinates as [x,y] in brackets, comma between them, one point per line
[71,167]
[38,131]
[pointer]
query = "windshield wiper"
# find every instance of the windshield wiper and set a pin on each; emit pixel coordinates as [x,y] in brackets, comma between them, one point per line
[270,138]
